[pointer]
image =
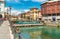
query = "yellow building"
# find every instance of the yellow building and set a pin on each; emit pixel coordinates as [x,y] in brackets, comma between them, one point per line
[27,15]
[34,13]
[31,15]
[6,15]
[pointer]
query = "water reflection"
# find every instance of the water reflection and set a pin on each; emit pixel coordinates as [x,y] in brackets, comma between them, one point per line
[39,33]
[51,33]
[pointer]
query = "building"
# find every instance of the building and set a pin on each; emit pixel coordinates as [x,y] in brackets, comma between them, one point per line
[51,11]
[2,3]
[25,15]
[39,15]
[34,13]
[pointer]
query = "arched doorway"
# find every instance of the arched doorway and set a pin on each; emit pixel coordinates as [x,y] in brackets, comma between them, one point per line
[0,16]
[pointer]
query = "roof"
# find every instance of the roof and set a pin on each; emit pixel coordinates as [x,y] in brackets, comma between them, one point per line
[48,2]
[33,8]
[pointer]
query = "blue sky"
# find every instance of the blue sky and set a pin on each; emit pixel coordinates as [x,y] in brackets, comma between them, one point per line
[24,5]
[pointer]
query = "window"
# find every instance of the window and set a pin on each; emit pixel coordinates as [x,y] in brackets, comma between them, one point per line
[48,4]
[58,14]
[59,6]
[48,9]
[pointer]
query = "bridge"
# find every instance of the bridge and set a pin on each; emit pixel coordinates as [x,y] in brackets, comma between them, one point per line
[27,25]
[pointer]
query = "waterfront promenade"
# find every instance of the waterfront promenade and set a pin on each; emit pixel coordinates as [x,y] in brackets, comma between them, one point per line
[5,32]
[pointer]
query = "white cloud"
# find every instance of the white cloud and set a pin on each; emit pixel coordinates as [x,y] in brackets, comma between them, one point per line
[25,10]
[6,8]
[15,12]
[16,1]
[39,0]
[13,1]
[36,0]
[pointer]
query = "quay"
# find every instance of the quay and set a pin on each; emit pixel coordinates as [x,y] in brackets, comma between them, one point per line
[5,30]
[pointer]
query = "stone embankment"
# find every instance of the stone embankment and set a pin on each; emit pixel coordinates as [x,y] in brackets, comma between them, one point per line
[52,24]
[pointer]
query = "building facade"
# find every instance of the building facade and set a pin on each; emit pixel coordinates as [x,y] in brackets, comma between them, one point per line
[34,13]
[51,11]
[2,2]
[39,15]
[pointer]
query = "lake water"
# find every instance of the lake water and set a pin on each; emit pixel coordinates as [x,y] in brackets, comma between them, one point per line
[38,32]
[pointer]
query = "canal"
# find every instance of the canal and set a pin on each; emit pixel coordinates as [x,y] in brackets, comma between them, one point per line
[36,32]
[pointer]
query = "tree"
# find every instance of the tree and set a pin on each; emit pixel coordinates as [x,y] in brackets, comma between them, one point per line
[49,0]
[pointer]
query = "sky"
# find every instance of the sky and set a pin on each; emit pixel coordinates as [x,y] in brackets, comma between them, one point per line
[23,5]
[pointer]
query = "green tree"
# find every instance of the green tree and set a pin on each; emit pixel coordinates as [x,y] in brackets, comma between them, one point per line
[49,0]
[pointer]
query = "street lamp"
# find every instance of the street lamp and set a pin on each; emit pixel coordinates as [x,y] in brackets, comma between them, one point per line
[10,10]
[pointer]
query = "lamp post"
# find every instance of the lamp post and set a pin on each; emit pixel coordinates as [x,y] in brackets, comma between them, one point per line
[10,11]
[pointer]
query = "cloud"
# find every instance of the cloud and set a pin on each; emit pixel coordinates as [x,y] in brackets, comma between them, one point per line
[6,8]
[36,0]
[42,0]
[16,1]
[19,1]
[39,0]
[26,10]
[15,12]
[13,1]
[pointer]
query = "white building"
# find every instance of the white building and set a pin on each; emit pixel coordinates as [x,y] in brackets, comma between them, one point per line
[2,3]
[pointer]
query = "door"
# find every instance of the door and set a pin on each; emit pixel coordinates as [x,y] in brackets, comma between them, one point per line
[54,19]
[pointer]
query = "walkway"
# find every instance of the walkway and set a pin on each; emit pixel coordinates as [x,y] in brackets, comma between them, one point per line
[5,30]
